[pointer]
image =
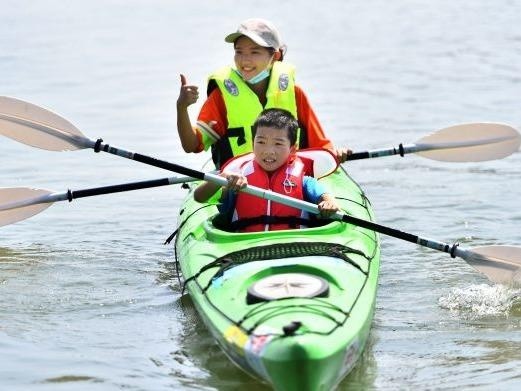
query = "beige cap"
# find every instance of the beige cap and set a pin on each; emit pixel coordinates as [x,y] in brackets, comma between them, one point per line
[260,31]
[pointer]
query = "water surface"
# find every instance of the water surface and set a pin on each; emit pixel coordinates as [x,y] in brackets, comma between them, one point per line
[88,295]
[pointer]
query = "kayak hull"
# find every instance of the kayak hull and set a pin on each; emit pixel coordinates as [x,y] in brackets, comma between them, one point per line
[291,340]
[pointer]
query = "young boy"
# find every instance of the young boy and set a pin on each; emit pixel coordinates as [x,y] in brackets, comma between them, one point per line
[275,166]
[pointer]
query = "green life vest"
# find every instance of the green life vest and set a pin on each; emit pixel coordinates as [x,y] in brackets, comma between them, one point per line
[243,107]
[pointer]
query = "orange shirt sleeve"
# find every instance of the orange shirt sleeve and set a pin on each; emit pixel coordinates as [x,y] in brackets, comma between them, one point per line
[212,112]
[308,119]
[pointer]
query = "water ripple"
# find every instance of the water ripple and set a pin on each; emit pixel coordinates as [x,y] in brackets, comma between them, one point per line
[482,300]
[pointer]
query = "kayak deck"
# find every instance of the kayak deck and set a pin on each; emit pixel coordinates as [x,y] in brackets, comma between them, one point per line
[293,343]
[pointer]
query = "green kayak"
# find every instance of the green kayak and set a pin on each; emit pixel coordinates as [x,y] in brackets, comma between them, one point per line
[292,308]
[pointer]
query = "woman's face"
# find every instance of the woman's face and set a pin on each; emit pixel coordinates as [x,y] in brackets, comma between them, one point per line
[251,58]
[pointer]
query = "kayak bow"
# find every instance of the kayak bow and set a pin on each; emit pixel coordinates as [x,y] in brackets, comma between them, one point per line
[293,308]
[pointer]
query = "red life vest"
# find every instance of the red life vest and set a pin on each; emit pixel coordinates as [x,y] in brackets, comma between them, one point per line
[287,180]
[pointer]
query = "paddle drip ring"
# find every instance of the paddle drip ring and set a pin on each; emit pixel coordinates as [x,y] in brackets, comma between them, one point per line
[453,250]
[97,145]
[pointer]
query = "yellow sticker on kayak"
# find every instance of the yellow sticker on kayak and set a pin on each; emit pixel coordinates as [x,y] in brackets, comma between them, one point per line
[234,335]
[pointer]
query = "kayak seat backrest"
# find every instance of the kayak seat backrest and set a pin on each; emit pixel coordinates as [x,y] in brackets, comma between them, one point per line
[318,162]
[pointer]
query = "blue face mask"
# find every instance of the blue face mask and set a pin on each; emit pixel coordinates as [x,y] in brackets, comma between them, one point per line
[257,78]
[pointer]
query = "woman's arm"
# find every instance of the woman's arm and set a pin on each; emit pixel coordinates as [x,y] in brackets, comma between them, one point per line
[188,95]
[315,134]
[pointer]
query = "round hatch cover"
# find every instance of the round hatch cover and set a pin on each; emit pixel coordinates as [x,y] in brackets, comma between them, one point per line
[281,286]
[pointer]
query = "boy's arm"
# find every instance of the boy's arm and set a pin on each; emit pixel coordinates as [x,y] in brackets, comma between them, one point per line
[327,205]
[205,190]
[315,192]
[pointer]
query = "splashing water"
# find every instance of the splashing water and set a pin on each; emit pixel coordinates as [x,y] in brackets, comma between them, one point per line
[481,300]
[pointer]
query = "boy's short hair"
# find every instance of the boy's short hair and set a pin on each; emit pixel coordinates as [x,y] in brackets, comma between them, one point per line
[278,119]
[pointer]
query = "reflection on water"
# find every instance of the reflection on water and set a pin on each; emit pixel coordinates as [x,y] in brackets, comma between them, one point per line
[492,351]
[23,256]
[472,363]
[203,352]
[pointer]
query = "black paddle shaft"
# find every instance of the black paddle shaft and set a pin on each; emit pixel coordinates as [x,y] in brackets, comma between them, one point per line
[99,146]
[71,195]
[432,244]
[380,228]
[378,153]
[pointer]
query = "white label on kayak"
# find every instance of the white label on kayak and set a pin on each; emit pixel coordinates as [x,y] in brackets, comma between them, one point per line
[352,353]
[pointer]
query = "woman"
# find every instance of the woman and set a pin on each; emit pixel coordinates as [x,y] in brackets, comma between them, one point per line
[259,80]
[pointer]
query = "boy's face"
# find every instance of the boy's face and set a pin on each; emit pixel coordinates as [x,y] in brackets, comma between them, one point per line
[271,147]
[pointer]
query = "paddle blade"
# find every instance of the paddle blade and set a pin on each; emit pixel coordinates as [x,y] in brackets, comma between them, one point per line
[38,127]
[501,264]
[474,142]
[20,203]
